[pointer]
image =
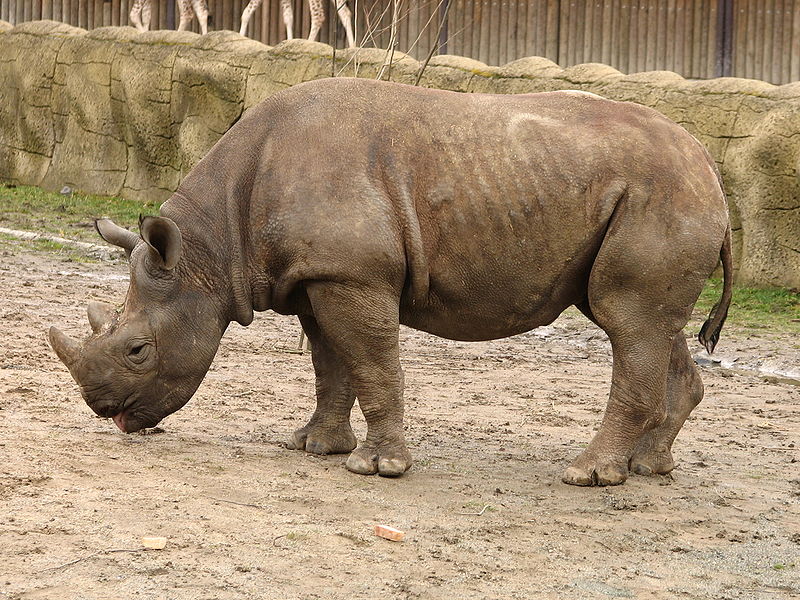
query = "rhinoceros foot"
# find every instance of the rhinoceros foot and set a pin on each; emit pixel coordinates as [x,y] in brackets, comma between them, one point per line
[324,440]
[386,460]
[589,469]
[651,461]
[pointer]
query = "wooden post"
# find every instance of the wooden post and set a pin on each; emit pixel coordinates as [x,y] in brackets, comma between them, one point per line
[724,47]
[444,22]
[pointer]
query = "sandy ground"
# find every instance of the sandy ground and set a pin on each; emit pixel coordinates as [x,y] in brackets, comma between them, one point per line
[491,425]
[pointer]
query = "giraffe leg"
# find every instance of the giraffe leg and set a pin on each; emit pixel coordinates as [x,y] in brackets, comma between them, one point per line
[201,10]
[186,14]
[135,15]
[346,17]
[146,15]
[288,18]
[317,9]
[247,13]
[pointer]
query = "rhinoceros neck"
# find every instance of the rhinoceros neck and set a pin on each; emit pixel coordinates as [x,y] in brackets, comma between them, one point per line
[214,247]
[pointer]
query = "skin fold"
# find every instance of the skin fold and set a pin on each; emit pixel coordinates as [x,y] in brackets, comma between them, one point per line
[361,205]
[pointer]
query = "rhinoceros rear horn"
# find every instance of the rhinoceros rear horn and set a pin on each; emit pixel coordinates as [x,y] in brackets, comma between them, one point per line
[163,237]
[114,234]
[100,314]
[67,349]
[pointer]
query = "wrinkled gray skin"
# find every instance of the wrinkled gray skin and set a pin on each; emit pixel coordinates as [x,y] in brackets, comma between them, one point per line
[359,205]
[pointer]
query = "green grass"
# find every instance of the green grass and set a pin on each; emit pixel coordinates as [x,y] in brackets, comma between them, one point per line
[33,209]
[66,253]
[775,309]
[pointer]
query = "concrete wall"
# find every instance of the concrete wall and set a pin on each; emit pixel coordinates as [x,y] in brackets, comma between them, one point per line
[115,112]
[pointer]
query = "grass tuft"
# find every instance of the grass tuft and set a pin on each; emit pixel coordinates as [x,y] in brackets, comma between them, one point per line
[776,309]
[33,209]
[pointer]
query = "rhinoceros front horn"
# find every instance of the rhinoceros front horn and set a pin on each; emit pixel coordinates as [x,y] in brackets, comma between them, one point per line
[67,349]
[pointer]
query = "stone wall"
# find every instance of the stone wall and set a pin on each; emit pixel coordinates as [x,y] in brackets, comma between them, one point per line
[115,112]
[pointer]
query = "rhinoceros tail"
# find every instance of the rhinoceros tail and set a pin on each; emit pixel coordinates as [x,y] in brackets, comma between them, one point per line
[709,332]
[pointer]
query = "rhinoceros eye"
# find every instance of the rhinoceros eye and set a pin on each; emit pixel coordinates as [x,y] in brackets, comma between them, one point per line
[138,352]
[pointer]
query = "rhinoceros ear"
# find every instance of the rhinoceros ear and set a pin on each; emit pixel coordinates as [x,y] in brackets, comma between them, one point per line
[163,237]
[114,234]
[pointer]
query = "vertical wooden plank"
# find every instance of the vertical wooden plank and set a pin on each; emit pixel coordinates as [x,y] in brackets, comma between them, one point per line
[707,42]
[529,26]
[740,30]
[588,33]
[266,23]
[455,43]
[677,37]
[598,47]
[624,31]
[458,14]
[795,67]
[483,30]
[26,10]
[758,72]
[496,33]
[640,49]
[503,33]
[614,36]
[777,42]
[686,26]
[36,10]
[547,41]
[786,73]
[537,35]
[742,47]
[566,32]
[660,46]
[517,22]
[606,32]
[551,31]
[651,41]
[476,18]
[669,37]
[576,15]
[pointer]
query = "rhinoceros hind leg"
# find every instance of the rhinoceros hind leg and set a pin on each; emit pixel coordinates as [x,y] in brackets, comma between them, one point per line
[653,453]
[328,431]
[362,325]
[643,284]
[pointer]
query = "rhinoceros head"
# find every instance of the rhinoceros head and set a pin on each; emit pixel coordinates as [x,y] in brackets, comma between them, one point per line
[145,361]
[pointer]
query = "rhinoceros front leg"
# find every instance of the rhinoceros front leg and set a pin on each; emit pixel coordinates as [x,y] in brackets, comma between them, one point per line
[328,431]
[362,326]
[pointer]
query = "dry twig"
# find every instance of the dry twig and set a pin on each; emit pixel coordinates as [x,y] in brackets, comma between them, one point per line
[99,552]
[477,514]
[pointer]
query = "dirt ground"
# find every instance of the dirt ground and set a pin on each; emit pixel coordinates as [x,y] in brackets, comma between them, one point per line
[491,426]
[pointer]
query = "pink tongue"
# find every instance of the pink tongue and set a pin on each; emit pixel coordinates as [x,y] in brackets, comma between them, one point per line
[120,421]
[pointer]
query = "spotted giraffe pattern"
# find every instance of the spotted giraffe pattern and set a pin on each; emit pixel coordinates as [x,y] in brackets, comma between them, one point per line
[317,10]
[140,14]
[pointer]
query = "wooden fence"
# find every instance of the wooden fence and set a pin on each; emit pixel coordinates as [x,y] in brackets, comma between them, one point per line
[759,39]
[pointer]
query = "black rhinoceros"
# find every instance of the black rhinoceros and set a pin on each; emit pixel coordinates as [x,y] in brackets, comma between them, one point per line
[360,205]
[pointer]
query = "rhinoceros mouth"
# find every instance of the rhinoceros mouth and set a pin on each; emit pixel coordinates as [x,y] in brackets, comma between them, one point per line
[120,421]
